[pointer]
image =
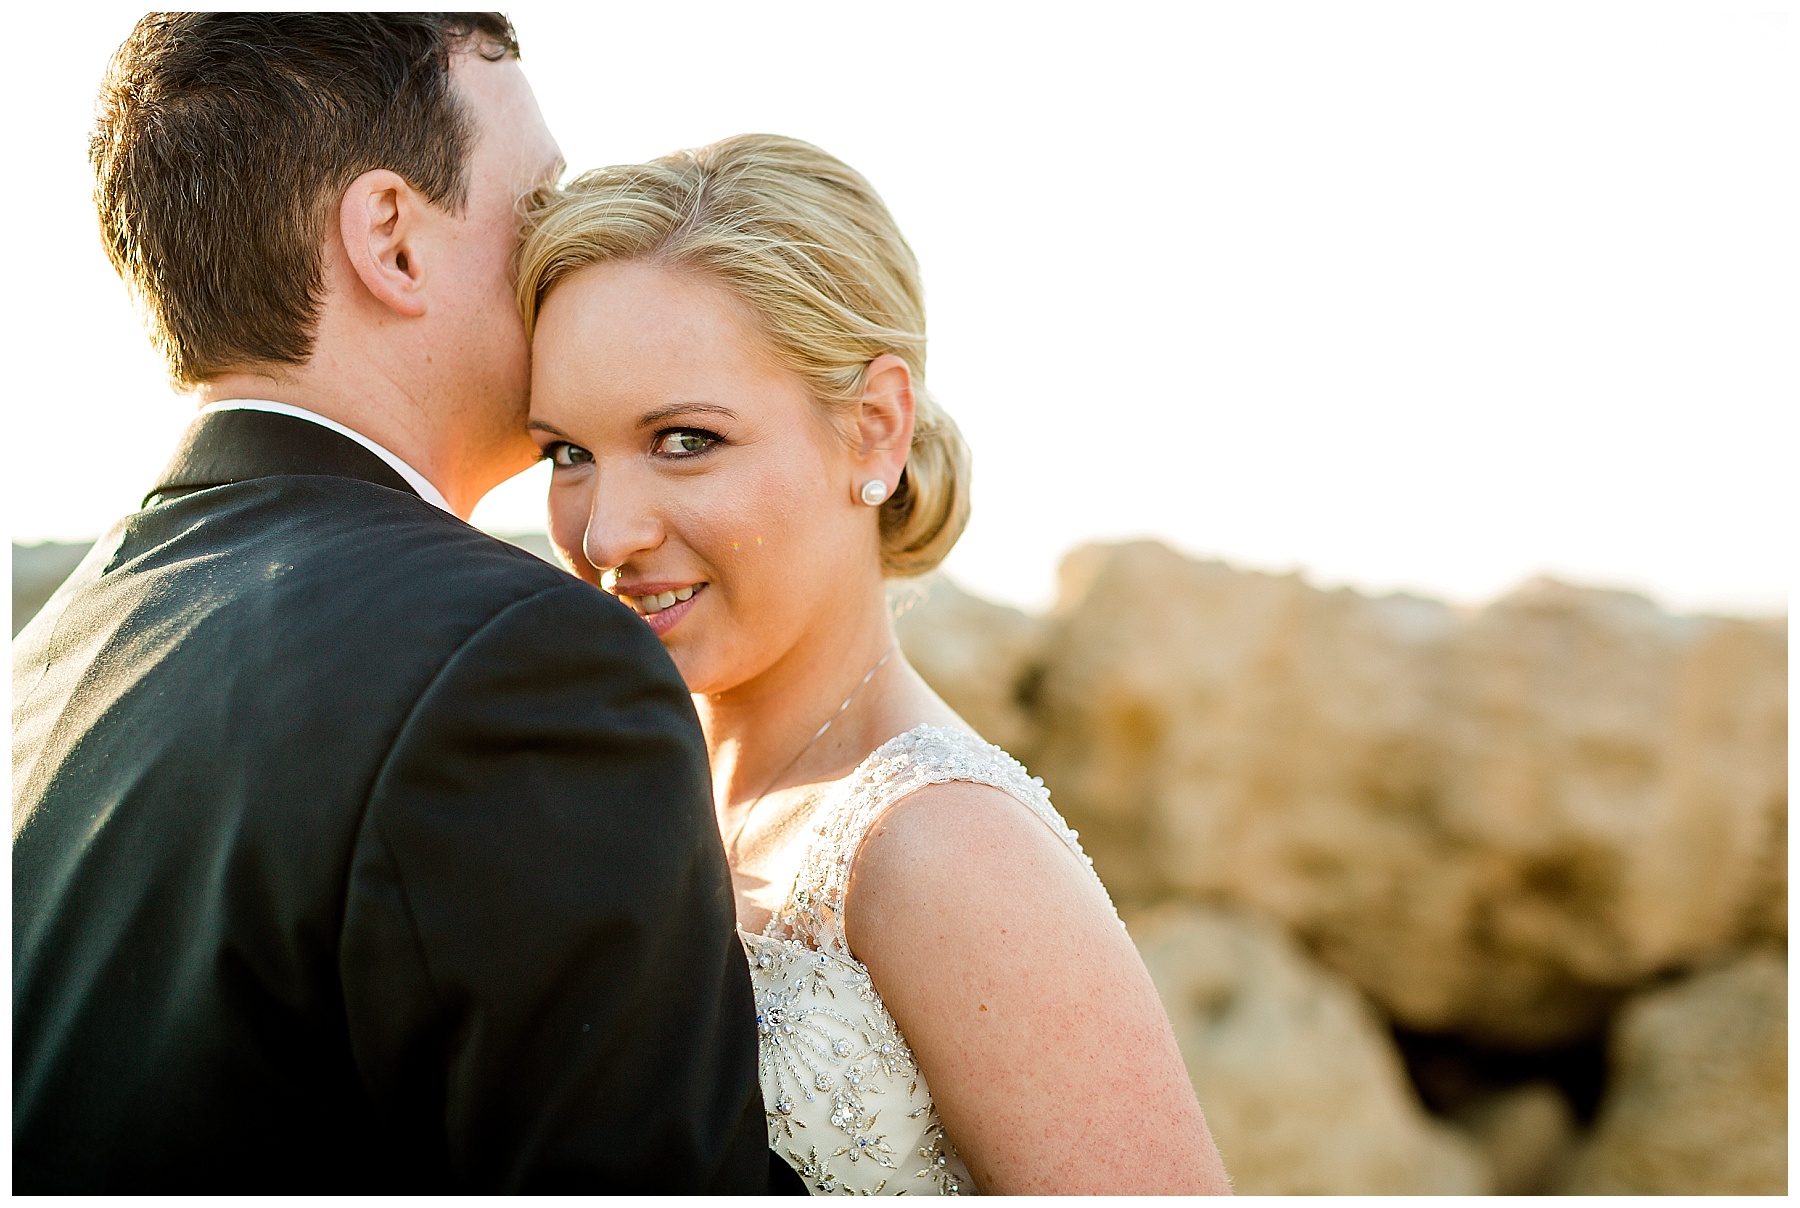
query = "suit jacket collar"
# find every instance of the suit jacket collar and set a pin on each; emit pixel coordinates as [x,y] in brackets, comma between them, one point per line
[236,446]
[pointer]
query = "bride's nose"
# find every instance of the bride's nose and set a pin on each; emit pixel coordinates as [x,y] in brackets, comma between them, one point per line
[622,524]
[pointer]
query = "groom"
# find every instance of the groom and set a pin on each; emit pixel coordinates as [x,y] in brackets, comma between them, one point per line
[353,850]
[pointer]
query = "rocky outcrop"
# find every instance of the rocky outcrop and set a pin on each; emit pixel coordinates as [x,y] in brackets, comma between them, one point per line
[979,656]
[1527,1131]
[1301,1083]
[1697,1104]
[1493,823]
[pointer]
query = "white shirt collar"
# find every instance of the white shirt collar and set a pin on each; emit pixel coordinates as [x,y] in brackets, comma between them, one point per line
[414,479]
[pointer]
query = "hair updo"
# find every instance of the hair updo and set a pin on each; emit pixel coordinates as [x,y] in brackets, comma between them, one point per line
[804,240]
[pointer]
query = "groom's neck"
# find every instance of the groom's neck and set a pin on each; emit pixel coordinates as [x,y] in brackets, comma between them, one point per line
[454,450]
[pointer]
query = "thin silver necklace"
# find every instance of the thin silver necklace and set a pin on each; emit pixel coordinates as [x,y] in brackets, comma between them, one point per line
[789,766]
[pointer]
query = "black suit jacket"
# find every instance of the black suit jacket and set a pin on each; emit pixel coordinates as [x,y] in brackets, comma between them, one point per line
[356,850]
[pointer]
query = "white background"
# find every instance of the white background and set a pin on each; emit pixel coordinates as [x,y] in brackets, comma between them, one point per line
[1429,297]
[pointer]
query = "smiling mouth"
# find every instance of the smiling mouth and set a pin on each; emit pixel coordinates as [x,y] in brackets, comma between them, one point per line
[649,606]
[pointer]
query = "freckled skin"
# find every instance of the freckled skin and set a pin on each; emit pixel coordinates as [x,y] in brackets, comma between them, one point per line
[761,519]
[1040,1034]
[1032,1018]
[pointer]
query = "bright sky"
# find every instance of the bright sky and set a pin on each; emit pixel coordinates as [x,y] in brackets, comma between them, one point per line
[1427,297]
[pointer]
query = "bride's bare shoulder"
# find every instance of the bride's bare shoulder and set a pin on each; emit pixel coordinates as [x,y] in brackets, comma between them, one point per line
[958,855]
[998,954]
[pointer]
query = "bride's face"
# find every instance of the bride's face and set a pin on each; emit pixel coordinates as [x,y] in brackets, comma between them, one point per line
[693,476]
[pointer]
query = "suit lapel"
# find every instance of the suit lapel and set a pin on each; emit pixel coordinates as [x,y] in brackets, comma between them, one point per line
[236,446]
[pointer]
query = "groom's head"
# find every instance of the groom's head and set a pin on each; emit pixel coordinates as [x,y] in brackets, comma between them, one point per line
[279,188]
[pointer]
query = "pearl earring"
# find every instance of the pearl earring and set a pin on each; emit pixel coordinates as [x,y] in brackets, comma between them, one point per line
[873,492]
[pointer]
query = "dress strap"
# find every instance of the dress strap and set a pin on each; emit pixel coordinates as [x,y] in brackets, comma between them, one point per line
[925,755]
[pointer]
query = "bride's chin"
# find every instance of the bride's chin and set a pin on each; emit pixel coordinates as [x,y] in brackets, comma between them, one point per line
[714,677]
[701,680]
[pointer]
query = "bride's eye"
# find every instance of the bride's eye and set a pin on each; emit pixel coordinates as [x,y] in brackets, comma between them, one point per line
[562,453]
[684,442]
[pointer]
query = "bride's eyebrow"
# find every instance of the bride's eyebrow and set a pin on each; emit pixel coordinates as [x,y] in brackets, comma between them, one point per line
[662,413]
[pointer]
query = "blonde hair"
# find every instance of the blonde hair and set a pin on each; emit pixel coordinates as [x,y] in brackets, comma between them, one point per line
[807,243]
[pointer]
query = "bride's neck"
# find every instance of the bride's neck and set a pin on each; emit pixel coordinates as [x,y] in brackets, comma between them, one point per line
[756,730]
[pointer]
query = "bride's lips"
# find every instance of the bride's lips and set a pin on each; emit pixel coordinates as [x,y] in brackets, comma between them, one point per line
[662,605]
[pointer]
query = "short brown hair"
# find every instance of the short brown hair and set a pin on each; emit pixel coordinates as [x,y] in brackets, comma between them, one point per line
[225,140]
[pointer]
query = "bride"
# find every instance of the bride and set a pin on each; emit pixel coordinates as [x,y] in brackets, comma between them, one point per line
[729,377]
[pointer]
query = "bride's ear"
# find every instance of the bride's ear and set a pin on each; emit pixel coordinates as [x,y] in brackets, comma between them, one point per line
[884,424]
[379,221]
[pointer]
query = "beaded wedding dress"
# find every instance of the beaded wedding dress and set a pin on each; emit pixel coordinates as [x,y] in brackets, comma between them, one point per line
[846,1104]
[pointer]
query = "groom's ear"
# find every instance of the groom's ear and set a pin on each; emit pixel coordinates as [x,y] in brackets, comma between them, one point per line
[379,221]
[885,418]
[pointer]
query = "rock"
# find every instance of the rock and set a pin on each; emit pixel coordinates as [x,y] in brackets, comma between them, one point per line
[1495,823]
[1630,770]
[980,657]
[1698,1100]
[1527,1133]
[1301,1083]
[1769,906]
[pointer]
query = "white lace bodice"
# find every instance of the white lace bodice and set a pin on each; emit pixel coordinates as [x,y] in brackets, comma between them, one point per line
[846,1103]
